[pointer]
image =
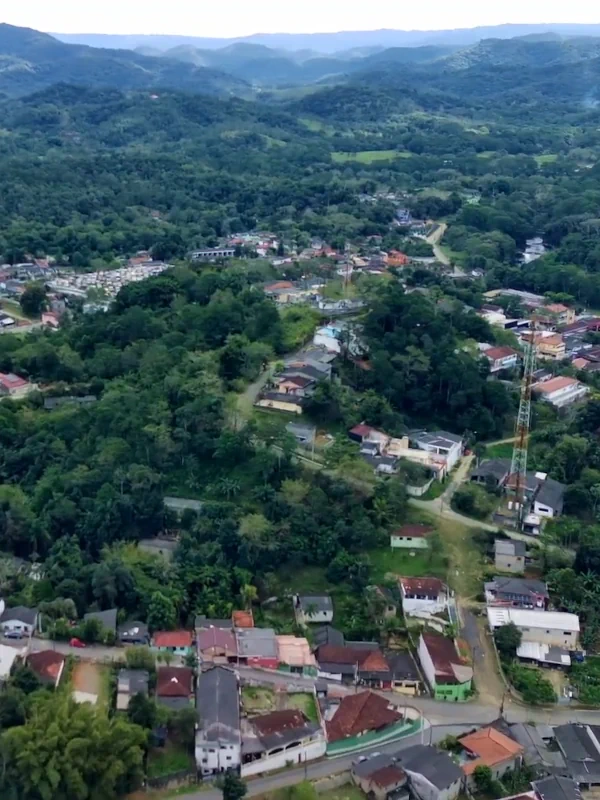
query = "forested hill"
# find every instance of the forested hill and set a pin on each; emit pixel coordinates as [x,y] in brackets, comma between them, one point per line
[30,61]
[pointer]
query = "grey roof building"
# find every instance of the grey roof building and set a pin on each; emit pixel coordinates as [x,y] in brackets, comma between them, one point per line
[581,750]
[509,547]
[537,752]
[557,788]
[108,618]
[496,470]
[28,616]
[552,494]
[256,643]
[218,737]
[327,634]
[304,434]
[313,608]
[437,767]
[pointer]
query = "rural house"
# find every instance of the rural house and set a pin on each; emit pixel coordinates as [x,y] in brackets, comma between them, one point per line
[378,776]
[276,740]
[411,537]
[174,687]
[509,555]
[19,619]
[309,608]
[491,748]
[177,642]
[432,774]
[14,386]
[47,665]
[218,744]
[501,358]
[361,713]
[129,683]
[216,645]
[517,592]
[449,677]
[423,596]
[561,391]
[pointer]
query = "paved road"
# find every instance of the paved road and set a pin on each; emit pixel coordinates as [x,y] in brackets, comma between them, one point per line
[434,239]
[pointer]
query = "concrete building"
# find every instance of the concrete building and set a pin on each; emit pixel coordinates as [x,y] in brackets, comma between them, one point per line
[218,744]
[295,655]
[555,628]
[423,596]
[447,445]
[379,776]
[561,391]
[448,676]
[509,555]
[580,746]
[129,683]
[411,537]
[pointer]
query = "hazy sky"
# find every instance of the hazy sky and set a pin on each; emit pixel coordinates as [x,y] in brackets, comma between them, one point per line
[243,17]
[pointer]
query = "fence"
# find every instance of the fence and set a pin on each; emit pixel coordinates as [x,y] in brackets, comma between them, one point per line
[418,491]
[185,777]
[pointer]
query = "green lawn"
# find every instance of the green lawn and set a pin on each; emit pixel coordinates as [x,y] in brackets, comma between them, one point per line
[486,154]
[169,759]
[305,702]
[401,562]
[547,158]
[499,450]
[256,699]
[346,792]
[370,156]
[435,490]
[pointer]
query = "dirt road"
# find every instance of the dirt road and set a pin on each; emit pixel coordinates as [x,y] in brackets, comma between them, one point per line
[434,239]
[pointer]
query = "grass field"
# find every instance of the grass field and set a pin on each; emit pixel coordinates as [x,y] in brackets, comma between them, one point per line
[486,154]
[255,699]
[304,702]
[370,156]
[169,759]
[499,450]
[547,158]
[401,562]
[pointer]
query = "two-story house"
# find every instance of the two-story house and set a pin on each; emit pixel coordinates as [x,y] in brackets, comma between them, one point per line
[561,391]
[501,358]
[517,592]
[449,677]
[442,443]
[421,596]
[432,774]
[218,745]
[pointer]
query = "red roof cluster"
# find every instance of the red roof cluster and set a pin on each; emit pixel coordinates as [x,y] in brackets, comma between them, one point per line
[359,713]
[367,660]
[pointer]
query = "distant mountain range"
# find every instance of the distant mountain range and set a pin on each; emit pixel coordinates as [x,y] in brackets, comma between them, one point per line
[538,65]
[30,61]
[332,42]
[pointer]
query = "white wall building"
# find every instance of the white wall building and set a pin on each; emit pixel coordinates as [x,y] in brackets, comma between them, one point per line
[218,739]
[423,595]
[545,627]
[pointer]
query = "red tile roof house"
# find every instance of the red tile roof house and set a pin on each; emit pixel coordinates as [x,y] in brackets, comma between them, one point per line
[47,665]
[12,385]
[177,642]
[501,358]
[488,747]
[361,662]
[174,686]
[362,713]
[216,646]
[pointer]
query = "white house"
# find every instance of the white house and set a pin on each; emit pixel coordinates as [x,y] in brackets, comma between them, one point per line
[411,537]
[19,620]
[276,740]
[423,596]
[561,391]
[218,744]
[313,608]
[555,628]
[448,445]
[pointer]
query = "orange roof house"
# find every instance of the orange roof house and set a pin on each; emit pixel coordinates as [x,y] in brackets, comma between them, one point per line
[361,713]
[488,747]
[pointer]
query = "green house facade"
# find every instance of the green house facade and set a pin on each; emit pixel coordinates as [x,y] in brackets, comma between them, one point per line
[449,677]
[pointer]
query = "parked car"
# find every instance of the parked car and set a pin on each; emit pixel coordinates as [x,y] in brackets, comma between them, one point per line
[14,635]
[76,643]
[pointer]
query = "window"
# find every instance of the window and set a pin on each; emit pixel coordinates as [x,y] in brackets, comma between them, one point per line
[567,633]
[211,750]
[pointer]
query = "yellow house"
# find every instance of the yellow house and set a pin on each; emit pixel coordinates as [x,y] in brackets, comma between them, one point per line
[552,346]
